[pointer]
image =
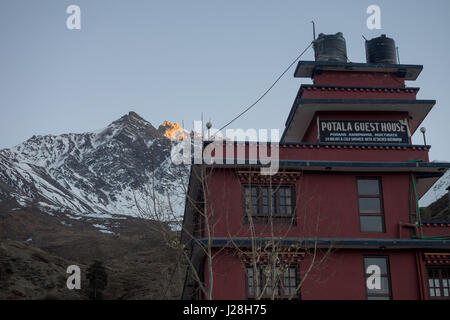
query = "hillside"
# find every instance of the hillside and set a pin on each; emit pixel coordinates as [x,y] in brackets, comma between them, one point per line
[36,248]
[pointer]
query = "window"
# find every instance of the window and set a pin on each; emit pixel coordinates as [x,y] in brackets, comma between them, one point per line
[258,199]
[376,276]
[370,205]
[439,283]
[284,286]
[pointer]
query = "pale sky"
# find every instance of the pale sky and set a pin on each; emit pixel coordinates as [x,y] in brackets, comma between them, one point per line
[174,59]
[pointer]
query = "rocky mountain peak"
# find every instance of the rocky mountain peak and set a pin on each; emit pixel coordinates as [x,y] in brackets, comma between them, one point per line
[89,173]
[131,126]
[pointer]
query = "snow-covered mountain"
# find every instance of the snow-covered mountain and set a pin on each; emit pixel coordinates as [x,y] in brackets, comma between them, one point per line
[96,173]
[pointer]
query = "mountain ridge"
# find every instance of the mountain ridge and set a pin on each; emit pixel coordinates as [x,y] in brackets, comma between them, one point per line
[94,173]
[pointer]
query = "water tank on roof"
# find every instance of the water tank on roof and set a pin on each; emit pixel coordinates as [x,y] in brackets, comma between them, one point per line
[330,47]
[381,50]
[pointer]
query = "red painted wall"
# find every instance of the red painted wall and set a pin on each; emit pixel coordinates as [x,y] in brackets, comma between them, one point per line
[326,153]
[347,93]
[339,277]
[327,197]
[436,229]
[362,79]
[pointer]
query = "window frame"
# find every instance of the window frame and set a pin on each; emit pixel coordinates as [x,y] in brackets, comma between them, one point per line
[439,269]
[260,215]
[387,275]
[378,196]
[280,287]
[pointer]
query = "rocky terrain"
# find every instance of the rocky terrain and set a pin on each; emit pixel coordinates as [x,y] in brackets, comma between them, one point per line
[36,249]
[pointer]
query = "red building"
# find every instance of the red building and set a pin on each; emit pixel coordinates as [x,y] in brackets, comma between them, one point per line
[340,219]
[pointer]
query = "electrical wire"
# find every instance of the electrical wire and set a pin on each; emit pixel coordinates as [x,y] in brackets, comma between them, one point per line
[266,92]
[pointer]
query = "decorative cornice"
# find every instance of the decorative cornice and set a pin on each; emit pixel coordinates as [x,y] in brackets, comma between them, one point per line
[349,243]
[285,258]
[358,89]
[437,258]
[353,146]
[436,224]
[286,177]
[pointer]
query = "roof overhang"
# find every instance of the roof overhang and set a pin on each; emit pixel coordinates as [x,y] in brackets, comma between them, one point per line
[321,165]
[345,243]
[306,69]
[303,111]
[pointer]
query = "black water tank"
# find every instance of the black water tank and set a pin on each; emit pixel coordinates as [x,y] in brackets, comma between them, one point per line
[381,50]
[330,47]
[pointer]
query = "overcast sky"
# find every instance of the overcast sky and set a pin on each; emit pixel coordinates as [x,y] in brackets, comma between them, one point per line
[172,60]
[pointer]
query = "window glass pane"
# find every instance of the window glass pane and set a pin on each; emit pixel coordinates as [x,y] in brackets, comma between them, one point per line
[288,191]
[368,186]
[380,262]
[265,200]
[268,289]
[378,286]
[371,223]
[369,205]
[431,292]
[264,191]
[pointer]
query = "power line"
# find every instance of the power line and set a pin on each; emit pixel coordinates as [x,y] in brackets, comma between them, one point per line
[266,92]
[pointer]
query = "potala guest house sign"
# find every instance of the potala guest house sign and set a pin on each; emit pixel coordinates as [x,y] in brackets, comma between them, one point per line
[363,131]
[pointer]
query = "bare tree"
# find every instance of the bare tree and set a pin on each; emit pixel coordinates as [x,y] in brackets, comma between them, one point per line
[266,250]
[270,257]
[158,206]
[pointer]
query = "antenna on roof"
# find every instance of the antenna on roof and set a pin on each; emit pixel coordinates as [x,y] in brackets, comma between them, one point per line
[398,56]
[314,30]
[208,126]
